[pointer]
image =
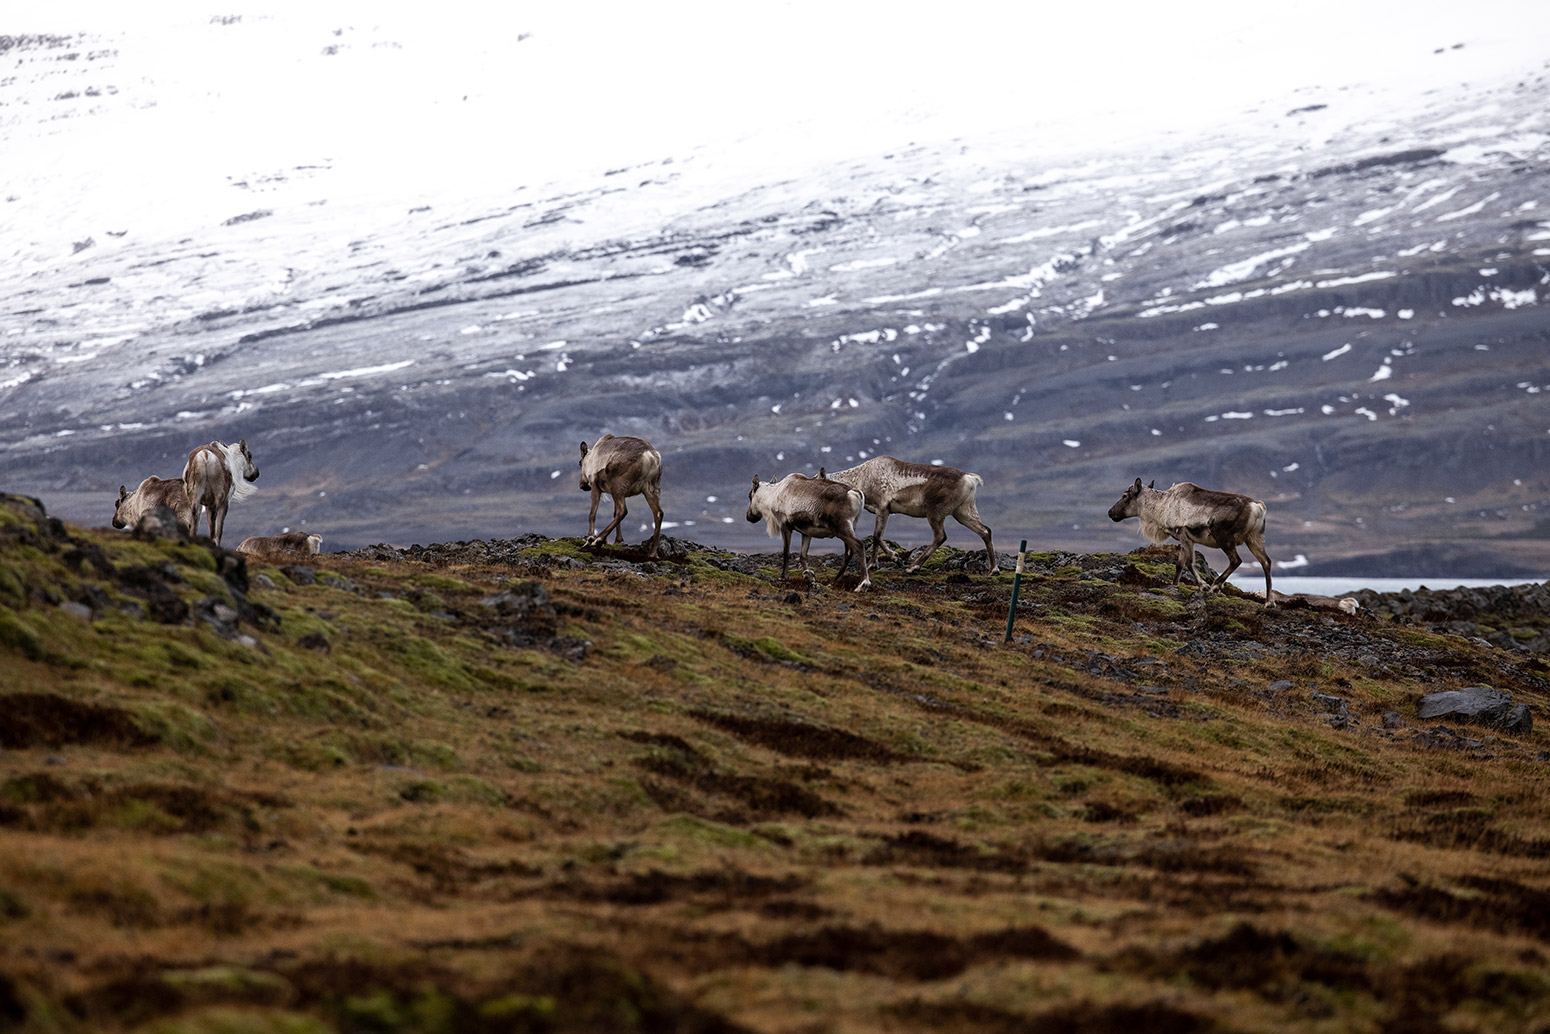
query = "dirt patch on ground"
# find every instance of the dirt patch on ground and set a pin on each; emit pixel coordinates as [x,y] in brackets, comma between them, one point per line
[907,955]
[559,988]
[692,783]
[717,889]
[1273,964]
[46,802]
[802,739]
[47,720]
[966,1017]
[1487,903]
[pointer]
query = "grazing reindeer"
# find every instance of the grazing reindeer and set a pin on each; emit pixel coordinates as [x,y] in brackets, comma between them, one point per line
[216,474]
[622,467]
[917,490]
[814,509]
[153,492]
[286,545]
[1191,514]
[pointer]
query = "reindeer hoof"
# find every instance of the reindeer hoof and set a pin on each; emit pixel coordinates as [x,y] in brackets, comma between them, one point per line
[864,585]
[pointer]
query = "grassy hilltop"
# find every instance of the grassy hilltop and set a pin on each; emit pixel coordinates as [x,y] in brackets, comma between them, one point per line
[532,787]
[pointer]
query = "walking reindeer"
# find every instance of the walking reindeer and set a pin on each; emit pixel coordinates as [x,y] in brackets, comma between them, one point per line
[917,490]
[622,467]
[814,509]
[1191,514]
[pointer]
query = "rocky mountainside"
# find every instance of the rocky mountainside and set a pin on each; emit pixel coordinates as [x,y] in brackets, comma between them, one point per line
[1334,303]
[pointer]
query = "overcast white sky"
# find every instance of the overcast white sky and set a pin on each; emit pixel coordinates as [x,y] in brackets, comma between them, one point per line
[444,96]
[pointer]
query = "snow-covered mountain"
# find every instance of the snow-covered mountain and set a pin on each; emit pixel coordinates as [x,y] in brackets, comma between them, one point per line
[1335,301]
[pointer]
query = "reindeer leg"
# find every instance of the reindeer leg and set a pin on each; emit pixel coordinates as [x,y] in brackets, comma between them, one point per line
[785,551]
[1234,561]
[619,511]
[853,545]
[653,496]
[968,515]
[807,540]
[1185,561]
[597,496]
[938,536]
[878,545]
[1256,544]
[217,523]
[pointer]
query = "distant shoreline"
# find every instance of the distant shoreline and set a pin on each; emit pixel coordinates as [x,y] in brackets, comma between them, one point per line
[1251,580]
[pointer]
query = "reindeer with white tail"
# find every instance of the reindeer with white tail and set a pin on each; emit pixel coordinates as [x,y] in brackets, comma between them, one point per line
[813,509]
[622,467]
[917,490]
[216,474]
[1191,514]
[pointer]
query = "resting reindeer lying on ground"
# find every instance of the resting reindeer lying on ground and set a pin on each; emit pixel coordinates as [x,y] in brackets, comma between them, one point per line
[284,546]
[622,467]
[215,474]
[813,509]
[917,490]
[1346,604]
[1191,514]
[153,492]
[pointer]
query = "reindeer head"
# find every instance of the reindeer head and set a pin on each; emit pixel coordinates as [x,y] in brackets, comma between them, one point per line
[586,483]
[755,515]
[119,520]
[1129,504]
[249,469]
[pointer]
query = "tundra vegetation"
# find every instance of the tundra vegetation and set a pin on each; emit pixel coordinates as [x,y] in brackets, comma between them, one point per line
[537,786]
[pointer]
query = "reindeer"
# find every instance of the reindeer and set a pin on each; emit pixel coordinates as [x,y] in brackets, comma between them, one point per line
[917,490]
[622,467]
[814,509]
[216,474]
[1191,514]
[284,546]
[151,493]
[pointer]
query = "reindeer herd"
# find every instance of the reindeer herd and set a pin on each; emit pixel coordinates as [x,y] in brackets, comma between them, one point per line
[826,506]
[829,505]
[214,475]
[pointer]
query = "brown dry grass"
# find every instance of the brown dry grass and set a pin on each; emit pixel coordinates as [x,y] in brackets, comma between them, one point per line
[855,812]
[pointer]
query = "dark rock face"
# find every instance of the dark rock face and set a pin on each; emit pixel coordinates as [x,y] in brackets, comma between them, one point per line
[1319,326]
[1479,704]
[1509,617]
[161,523]
[528,601]
[153,587]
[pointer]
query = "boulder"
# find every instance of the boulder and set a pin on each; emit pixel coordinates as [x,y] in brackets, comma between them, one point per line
[522,599]
[1480,704]
[1330,704]
[161,523]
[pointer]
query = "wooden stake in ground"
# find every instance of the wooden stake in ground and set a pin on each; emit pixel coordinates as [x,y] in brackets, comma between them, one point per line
[1017,581]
